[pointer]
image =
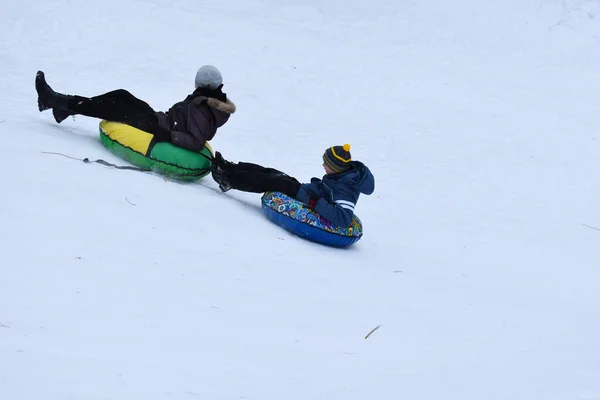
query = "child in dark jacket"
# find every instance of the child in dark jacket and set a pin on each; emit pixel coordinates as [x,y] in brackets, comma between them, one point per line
[189,123]
[333,197]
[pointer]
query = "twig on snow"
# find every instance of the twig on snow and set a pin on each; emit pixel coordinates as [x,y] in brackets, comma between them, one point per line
[564,15]
[373,330]
[133,204]
[3,326]
[591,227]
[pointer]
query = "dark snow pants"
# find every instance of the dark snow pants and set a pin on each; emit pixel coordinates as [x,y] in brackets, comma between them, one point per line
[118,106]
[255,178]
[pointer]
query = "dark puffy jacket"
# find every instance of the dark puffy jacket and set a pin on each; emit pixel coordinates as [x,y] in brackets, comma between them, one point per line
[338,193]
[195,120]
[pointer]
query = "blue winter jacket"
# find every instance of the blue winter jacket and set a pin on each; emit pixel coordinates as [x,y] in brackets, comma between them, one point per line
[338,193]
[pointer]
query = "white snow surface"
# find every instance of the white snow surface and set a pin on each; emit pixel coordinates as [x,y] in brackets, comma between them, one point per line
[480,259]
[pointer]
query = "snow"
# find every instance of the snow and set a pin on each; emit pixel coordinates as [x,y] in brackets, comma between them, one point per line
[479,261]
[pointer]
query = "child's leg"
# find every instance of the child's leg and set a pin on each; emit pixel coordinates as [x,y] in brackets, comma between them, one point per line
[118,106]
[256,168]
[249,177]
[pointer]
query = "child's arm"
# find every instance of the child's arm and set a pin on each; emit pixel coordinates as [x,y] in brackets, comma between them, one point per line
[308,189]
[339,214]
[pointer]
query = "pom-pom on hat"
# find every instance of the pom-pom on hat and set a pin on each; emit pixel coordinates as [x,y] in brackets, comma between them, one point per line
[208,76]
[338,158]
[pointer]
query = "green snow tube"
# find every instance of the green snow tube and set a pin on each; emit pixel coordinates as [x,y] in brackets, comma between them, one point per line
[135,146]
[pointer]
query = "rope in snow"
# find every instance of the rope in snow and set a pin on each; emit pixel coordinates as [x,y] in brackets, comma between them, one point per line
[64,155]
[100,161]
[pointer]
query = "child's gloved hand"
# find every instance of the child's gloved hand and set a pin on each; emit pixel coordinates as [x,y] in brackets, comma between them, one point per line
[312,200]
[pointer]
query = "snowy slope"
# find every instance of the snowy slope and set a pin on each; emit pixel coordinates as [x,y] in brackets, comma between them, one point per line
[479,261]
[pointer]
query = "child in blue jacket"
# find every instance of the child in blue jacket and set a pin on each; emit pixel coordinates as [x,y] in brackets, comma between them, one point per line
[333,197]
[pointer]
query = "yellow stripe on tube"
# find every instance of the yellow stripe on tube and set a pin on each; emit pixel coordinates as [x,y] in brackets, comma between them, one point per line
[127,135]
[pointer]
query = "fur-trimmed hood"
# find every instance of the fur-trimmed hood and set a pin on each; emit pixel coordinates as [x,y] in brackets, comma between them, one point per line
[227,106]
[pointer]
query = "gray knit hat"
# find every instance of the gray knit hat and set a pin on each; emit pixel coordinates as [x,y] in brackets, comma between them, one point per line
[208,76]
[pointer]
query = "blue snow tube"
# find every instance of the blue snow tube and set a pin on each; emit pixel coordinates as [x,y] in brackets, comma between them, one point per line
[299,219]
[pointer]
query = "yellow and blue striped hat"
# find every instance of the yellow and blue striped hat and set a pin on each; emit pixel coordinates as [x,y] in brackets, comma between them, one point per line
[338,158]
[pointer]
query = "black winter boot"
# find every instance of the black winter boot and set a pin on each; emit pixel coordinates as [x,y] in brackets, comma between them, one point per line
[223,163]
[49,99]
[219,170]
[44,91]
[221,178]
[60,114]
